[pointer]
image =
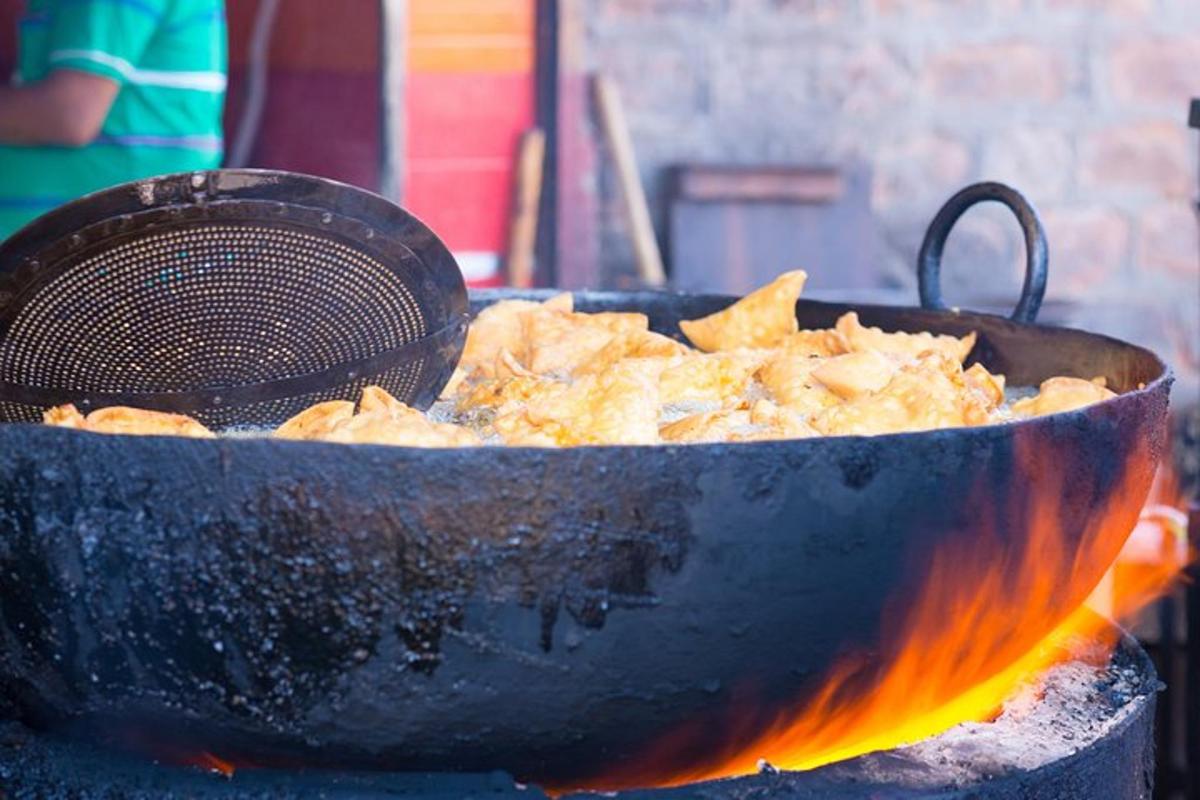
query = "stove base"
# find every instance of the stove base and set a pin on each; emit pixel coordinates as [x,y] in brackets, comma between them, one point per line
[1101,746]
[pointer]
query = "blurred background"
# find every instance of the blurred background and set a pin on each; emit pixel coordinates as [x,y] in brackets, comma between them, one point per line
[711,144]
[763,135]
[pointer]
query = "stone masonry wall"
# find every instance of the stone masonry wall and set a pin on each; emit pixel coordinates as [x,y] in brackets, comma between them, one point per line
[1081,104]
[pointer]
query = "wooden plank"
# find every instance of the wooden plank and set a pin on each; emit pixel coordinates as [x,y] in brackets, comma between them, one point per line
[393,95]
[769,184]
[616,132]
[523,232]
[733,246]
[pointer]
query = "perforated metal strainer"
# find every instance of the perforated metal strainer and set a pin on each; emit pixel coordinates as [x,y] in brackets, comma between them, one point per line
[239,297]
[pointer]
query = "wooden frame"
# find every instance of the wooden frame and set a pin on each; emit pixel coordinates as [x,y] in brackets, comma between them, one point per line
[393,72]
[547,76]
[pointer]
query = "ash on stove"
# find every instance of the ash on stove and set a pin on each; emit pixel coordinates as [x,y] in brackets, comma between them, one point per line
[1068,708]
[1083,731]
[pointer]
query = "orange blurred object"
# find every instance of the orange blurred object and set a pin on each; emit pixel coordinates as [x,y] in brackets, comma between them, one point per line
[1156,550]
[471,35]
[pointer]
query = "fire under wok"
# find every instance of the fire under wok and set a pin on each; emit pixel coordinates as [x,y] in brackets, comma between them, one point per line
[543,611]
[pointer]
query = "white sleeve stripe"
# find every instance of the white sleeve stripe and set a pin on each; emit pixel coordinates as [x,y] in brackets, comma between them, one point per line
[118,65]
[201,81]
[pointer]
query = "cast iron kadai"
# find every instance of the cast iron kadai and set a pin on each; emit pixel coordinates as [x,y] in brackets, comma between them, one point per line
[548,612]
[239,297]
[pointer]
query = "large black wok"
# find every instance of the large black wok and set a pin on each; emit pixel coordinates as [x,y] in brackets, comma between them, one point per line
[541,611]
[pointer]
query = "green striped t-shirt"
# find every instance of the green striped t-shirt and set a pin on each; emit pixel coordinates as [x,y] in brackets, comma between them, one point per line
[169,57]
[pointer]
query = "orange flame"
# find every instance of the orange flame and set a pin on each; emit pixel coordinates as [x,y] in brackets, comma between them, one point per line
[989,619]
[208,761]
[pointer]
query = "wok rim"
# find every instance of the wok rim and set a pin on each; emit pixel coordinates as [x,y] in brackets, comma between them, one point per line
[1163,381]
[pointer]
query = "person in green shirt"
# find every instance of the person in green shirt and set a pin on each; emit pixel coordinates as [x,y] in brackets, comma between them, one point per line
[108,91]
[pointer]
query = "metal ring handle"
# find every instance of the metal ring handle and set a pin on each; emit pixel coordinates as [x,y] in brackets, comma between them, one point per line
[929,262]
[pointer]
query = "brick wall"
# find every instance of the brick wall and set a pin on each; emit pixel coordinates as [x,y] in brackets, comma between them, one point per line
[1081,104]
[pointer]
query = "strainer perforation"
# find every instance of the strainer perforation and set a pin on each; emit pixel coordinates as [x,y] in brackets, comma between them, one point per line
[205,306]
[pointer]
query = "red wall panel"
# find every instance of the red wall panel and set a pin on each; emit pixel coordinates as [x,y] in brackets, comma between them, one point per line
[469,99]
[468,114]
[470,221]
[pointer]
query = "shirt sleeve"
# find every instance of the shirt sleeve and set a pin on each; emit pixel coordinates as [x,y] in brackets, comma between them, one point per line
[103,37]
